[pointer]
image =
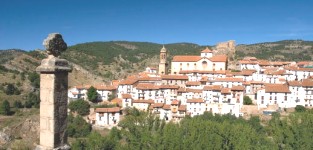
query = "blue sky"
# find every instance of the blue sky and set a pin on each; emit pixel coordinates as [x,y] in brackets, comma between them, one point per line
[25,23]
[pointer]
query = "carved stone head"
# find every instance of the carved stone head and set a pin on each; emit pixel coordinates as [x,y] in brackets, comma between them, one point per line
[55,44]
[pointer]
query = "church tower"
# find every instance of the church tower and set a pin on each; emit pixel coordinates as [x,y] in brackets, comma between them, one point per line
[162,64]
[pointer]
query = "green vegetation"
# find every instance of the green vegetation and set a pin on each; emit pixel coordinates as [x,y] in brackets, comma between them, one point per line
[141,130]
[5,108]
[34,78]
[18,104]
[79,106]
[92,94]
[32,100]
[247,100]
[300,108]
[11,89]
[77,126]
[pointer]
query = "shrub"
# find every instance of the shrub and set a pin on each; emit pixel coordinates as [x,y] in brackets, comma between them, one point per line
[247,100]
[80,106]
[300,108]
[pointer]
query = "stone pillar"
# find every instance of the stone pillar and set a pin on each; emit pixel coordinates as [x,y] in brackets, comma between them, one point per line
[53,95]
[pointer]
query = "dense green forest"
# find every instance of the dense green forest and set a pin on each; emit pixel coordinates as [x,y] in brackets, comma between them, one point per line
[141,130]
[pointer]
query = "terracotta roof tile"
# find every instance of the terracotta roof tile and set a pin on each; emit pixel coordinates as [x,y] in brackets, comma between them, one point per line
[294,83]
[128,82]
[219,58]
[117,101]
[195,100]
[167,107]
[108,110]
[174,77]
[158,105]
[186,58]
[238,88]
[149,79]
[183,90]
[126,96]
[193,83]
[204,79]
[276,88]
[182,108]
[225,91]
[175,102]
[206,50]
[83,87]
[229,79]
[168,86]
[105,87]
[213,88]
[144,101]
[147,86]
[194,90]
[307,82]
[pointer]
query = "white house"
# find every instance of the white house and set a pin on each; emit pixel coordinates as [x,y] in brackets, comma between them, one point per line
[107,116]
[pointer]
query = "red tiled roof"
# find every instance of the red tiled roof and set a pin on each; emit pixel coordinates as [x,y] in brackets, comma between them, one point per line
[276,88]
[182,108]
[256,82]
[105,87]
[229,79]
[167,107]
[186,58]
[146,86]
[128,82]
[149,79]
[193,83]
[307,82]
[126,96]
[83,87]
[238,88]
[168,86]
[294,83]
[219,58]
[204,79]
[181,90]
[212,88]
[117,101]
[225,91]
[175,102]
[206,50]
[174,77]
[108,110]
[195,100]
[194,90]
[158,105]
[144,101]
[247,72]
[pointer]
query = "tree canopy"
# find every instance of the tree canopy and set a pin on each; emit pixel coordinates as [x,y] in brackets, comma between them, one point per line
[92,94]
[80,106]
[5,108]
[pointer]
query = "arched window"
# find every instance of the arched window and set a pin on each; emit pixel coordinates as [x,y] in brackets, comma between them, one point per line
[204,64]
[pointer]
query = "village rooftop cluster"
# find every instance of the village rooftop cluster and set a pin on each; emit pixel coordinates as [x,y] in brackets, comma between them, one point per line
[196,84]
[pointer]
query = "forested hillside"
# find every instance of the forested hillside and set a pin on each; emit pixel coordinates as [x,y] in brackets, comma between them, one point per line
[113,60]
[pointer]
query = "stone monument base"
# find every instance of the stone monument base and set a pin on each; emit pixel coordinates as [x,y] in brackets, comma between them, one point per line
[64,147]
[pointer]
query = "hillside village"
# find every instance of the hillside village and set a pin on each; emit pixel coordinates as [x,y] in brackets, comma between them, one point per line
[193,84]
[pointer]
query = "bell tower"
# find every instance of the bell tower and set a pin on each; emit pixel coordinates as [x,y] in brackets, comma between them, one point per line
[162,64]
